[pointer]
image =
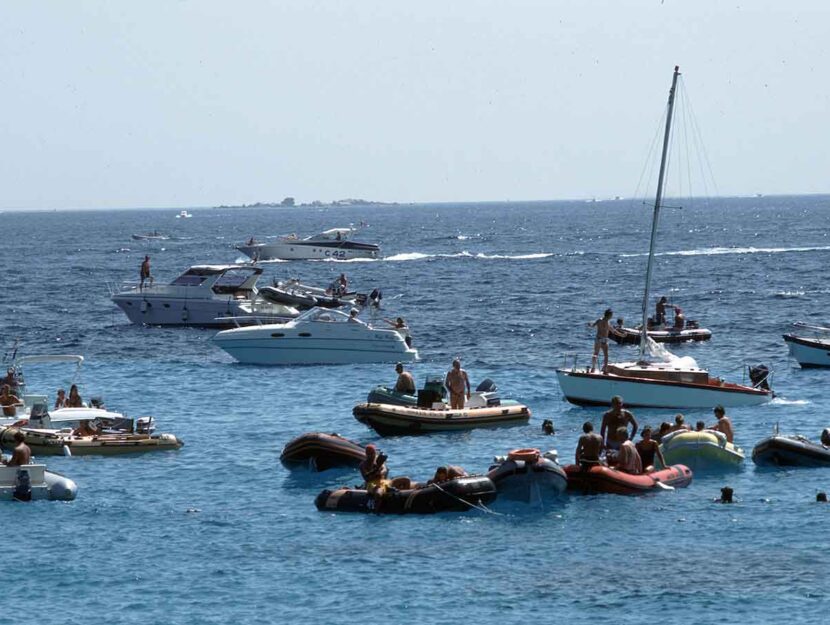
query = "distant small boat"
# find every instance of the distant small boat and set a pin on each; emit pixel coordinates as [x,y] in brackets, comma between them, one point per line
[810,351]
[155,235]
[184,215]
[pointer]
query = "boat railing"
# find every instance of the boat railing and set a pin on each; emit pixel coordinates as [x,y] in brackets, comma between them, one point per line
[241,321]
[571,360]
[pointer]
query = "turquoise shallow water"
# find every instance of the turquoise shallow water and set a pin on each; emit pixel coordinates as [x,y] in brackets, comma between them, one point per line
[220,531]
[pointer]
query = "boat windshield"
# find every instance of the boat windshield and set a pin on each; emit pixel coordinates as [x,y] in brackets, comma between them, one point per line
[189,278]
[325,315]
[335,234]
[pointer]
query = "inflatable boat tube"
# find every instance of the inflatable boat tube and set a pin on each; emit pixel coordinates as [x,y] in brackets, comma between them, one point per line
[602,479]
[701,451]
[319,452]
[528,480]
[389,420]
[790,451]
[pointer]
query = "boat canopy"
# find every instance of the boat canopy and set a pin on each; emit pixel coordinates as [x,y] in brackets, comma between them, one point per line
[197,274]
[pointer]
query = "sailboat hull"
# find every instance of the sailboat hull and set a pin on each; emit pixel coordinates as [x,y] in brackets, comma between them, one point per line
[596,389]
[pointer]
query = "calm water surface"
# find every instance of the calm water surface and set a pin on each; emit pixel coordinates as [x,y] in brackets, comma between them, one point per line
[219,532]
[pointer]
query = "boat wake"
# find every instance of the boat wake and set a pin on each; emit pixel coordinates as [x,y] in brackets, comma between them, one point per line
[719,251]
[780,401]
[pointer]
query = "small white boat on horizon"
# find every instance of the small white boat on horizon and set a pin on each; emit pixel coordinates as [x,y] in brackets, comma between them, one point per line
[317,336]
[155,235]
[333,244]
[184,215]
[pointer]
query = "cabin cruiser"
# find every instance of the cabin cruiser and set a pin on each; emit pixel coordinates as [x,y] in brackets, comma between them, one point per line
[335,244]
[810,351]
[317,336]
[204,295]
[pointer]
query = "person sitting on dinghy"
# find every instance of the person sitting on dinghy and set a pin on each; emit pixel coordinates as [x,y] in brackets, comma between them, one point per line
[589,447]
[405,383]
[679,318]
[627,458]
[60,400]
[9,401]
[85,428]
[648,448]
[375,474]
[679,424]
[446,473]
[74,400]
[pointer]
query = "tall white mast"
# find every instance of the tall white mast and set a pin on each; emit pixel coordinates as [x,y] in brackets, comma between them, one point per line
[657,201]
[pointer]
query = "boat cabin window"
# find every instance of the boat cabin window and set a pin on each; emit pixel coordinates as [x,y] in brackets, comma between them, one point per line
[232,282]
[189,278]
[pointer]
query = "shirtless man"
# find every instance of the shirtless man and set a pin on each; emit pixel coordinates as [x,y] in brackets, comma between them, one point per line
[405,383]
[21,454]
[648,448]
[456,382]
[603,327]
[628,458]
[588,447]
[723,425]
[679,424]
[614,421]
[9,401]
[144,272]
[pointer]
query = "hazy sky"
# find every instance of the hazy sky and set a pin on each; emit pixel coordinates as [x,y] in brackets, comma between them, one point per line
[196,103]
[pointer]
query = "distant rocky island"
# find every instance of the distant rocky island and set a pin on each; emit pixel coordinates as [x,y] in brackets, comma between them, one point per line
[289,201]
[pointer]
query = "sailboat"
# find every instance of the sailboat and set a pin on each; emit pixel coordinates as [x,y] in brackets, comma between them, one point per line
[669,383]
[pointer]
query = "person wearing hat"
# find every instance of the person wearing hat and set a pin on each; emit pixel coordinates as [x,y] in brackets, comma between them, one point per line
[456,383]
[405,383]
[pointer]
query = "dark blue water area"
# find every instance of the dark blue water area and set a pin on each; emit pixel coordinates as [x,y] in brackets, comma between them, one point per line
[220,532]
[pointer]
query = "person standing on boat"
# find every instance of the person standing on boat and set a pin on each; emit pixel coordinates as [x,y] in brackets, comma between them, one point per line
[660,311]
[144,272]
[405,383]
[456,382]
[614,422]
[724,425]
[604,327]
[589,447]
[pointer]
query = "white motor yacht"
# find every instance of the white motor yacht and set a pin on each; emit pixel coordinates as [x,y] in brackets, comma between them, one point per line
[335,244]
[204,295]
[184,215]
[318,336]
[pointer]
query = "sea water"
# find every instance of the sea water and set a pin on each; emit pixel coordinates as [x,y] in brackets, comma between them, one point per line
[220,532]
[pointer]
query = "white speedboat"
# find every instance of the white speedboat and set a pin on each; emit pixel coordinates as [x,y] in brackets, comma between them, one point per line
[810,351]
[204,295]
[155,235]
[335,244]
[184,215]
[661,380]
[317,336]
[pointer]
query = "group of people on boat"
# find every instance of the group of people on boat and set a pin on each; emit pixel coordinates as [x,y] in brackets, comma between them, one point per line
[456,381]
[376,479]
[617,442]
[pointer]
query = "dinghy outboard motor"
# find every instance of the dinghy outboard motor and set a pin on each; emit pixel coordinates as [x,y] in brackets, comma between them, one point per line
[374,298]
[487,386]
[23,486]
[39,417]
[759,375]
[825,437]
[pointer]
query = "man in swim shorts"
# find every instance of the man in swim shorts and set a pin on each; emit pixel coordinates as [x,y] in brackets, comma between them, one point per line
[405,383]
[723,425]
[604,327]
[456,383]
[613,421]
[588,447]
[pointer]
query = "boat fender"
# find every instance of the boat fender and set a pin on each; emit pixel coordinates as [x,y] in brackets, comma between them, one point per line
[185,314]
[144,305]
[527,455]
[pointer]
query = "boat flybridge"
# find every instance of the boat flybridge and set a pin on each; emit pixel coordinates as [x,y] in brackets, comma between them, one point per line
[204,295]
[317,336]
[335,244]
[810,351]
[657,379]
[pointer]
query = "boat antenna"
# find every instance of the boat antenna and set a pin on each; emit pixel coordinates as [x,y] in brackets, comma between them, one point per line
[657,201]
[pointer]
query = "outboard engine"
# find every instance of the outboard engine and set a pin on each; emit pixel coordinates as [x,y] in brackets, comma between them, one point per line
[145,425]
[39,417]
[97,402]
[374,298]
[487,386]
[825,437]
[23,486]
[759,375]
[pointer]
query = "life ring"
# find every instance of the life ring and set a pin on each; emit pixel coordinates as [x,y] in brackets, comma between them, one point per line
[528,455]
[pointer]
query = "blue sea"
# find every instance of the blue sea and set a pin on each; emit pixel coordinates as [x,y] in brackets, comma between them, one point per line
[220,532]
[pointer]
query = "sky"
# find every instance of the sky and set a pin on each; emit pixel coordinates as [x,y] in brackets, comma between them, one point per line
[201,103]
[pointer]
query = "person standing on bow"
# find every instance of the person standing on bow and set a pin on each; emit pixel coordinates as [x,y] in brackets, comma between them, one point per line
[604,327]
[457,382]
[144,272]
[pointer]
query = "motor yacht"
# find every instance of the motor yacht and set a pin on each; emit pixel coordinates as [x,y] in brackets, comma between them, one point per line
[317,336]
[334,244]
[204,295]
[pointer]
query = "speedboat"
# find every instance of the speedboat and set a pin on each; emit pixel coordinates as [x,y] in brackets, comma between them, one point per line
[205,296]
[663,334]
[810,351]
[706,450]
[155,235]
[459,494]
[184,215]
[31,482]
[334,244]
[317,336]
[792,451]
[657,379]
[528,475]
[389,420]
